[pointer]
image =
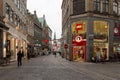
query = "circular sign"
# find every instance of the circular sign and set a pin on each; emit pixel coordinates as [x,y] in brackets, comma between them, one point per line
[115,30]
[78,38]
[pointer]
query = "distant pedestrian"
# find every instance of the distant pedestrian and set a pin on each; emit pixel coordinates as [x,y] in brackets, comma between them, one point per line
[59,53]
[54,53]
[20,54]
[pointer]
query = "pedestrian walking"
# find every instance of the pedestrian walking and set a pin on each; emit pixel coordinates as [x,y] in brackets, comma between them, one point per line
[98,55]
[20,54]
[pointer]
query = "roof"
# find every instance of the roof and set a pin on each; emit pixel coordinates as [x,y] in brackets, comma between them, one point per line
[43,21]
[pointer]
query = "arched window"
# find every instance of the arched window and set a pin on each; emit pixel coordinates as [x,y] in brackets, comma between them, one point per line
[115,7]
[97,5]
[105,6]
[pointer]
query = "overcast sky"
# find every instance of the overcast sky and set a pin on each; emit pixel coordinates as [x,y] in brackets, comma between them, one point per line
[52,11]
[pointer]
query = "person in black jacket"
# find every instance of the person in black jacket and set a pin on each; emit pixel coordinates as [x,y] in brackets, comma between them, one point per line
[20,54]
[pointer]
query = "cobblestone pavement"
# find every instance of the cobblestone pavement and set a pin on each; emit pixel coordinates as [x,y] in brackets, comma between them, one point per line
[57,68]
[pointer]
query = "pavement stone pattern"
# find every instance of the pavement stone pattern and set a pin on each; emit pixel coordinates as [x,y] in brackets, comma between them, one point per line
[49,67]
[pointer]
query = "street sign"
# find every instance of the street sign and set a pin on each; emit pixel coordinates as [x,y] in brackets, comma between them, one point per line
[65,46]
[46,40]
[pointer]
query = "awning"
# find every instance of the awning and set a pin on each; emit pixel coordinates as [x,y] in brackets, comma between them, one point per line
[3,26]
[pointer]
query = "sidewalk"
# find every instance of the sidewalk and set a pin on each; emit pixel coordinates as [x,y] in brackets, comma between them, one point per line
[12,64]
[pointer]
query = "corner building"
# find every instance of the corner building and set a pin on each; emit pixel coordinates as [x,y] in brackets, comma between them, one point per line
[88,25]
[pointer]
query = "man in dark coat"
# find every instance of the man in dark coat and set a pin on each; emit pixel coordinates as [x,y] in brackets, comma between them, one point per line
[20,54]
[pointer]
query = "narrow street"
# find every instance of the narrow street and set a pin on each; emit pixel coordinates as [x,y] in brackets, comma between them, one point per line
[50,67]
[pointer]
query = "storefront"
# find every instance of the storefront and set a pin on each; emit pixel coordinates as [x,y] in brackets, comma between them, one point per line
[101,33]
[13,44]
[86,39]
[79,41]
[3,30]
[15,41]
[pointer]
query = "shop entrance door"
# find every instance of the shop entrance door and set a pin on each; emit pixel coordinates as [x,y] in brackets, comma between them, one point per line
[79,51]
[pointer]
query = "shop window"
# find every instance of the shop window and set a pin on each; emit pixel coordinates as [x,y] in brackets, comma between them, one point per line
[101,34]
[79,29]
[100,30]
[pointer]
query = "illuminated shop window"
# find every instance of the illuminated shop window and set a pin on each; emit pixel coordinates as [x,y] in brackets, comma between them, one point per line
[101,34]
[79,28]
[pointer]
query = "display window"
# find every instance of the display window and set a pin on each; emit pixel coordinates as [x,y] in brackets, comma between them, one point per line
[11,46]
[79,53]
[101,33]
[116,49]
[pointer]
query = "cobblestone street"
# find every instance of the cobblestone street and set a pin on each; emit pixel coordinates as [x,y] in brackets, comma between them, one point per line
[57,68]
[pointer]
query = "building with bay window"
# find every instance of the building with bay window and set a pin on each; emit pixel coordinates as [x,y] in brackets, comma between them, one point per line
[88,25]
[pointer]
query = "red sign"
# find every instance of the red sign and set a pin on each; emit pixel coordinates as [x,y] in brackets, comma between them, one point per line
[65,46]
[78,27]
[46,40]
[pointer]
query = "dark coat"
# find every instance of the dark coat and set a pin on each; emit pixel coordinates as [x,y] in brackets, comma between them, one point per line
[20,54]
